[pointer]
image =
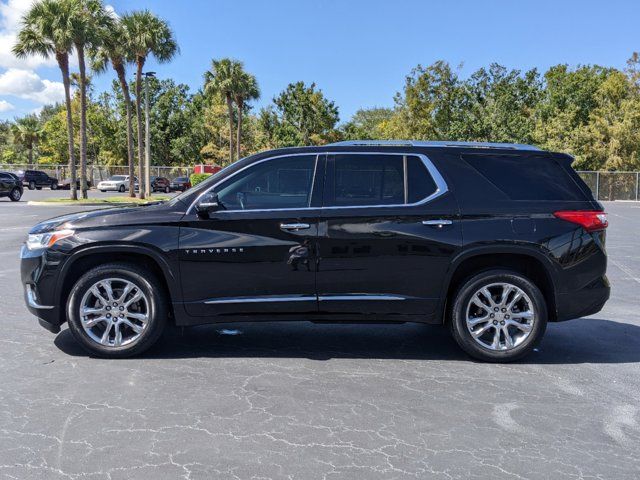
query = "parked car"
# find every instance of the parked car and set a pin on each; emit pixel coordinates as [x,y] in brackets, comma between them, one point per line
[10,186]
[160,184]
[180,184]
[66,184]
[36,179]
[117,183]
[353,232]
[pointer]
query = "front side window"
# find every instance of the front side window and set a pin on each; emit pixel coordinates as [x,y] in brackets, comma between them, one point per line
[368,179]
[273,184]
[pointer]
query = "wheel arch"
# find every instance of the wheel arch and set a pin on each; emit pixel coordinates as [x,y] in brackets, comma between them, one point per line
[91,257]
[525,260]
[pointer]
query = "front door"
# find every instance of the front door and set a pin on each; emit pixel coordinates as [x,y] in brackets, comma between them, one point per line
[386,235]
[257,255]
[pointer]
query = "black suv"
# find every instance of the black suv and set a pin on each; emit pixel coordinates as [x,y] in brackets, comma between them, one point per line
[491,240]
[10,186]
[36,179]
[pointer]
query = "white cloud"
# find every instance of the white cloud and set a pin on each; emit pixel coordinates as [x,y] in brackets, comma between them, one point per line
[5,106]
[11,12]
[28,85]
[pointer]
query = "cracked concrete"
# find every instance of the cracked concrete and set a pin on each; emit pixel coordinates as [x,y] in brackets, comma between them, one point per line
[304,401]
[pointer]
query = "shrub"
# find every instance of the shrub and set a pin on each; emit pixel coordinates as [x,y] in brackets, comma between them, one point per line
[197,178]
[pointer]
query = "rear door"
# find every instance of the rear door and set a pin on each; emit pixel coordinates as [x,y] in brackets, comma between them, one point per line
[387,231]
[258,255]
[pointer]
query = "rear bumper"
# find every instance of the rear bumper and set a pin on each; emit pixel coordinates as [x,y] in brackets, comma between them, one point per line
[584,302]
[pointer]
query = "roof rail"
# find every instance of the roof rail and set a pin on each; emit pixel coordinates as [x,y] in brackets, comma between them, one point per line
[431,143]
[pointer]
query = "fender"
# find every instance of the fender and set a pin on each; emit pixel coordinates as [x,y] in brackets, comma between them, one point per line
[505,248]
[168,271]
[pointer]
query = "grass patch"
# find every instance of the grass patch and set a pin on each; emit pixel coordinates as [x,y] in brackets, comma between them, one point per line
[107,200]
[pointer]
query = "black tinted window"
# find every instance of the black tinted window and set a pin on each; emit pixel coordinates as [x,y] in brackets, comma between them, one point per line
[527,177]
[279,183]
[419,180]
[368,180]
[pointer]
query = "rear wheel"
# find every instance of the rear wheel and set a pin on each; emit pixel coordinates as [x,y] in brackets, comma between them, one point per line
[498,316]
[15,195]
[32,185]
[121,189]
[117,310]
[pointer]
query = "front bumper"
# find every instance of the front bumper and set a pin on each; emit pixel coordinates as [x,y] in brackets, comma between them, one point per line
[39,275]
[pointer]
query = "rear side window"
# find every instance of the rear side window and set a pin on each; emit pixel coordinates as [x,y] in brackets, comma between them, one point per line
[527,177]
[364,180]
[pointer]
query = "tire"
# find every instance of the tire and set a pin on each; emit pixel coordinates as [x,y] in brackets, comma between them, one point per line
[167,190]
[54,185]
[32,185]
[15,195]
[525,321]
[121,189]
[103,191]
[152,305]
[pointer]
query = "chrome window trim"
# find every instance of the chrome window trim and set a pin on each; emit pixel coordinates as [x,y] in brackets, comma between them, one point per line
[441,185]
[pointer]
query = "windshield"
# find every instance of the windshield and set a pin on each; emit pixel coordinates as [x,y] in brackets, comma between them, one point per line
[118,178]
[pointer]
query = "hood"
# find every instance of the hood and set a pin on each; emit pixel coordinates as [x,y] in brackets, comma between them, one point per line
[153,213]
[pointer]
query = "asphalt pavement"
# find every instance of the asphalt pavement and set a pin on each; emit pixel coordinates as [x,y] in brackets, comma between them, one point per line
[305,401]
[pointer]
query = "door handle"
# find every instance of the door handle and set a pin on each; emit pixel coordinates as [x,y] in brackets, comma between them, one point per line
[437,223]
[294,226]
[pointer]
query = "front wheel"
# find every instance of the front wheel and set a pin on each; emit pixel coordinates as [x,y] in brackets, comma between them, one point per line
[15,195]
[117,310]
[121,189]
[54,185]
[32,185]
[498,316]
[167,190]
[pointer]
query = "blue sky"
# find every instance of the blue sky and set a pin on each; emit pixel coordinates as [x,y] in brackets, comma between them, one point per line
[357,51]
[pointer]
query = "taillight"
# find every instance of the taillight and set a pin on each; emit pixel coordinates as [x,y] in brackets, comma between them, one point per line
[590,220]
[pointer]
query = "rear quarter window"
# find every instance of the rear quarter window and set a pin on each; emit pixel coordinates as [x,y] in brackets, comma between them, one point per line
[522,177]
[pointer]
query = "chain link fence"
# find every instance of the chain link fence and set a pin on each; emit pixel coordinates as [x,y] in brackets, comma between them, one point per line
[96,174]
[613,185]
[604,185]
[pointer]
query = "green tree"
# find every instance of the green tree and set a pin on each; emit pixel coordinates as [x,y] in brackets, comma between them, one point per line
[113,50]
[247,90]
[26,132]
[46,30]
[303,115]
[223,80]
[367,124]
[146,34]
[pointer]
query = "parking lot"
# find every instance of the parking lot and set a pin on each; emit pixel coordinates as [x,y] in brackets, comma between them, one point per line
[306,401]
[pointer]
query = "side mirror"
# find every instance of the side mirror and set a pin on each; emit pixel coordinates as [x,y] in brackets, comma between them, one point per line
[208,204]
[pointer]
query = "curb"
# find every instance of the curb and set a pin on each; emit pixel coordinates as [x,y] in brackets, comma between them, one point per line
[84,204]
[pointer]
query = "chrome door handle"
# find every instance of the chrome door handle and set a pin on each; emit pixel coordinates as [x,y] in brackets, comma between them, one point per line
[294,226]
[437,223]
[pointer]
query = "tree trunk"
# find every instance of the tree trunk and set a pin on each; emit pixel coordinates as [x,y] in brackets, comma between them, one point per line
[139,118]
[31,156]
[119,68]
[240,104]
[230,109]
[83,120]
[63,63]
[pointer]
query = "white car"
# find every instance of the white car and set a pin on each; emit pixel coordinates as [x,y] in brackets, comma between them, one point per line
[117,183]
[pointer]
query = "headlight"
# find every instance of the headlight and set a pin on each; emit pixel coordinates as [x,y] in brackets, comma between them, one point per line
[45,240]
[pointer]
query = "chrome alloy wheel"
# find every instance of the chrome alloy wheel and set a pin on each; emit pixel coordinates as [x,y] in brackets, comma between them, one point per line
[500,316]
[114,312]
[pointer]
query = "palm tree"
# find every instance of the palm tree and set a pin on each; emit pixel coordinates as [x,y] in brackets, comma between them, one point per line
[113,50]
[247,89]
[26,131]
[46,31]
[89,18]
[146,35]
[223,79]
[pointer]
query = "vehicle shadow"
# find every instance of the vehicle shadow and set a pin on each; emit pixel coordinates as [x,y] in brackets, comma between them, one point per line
[589,340]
